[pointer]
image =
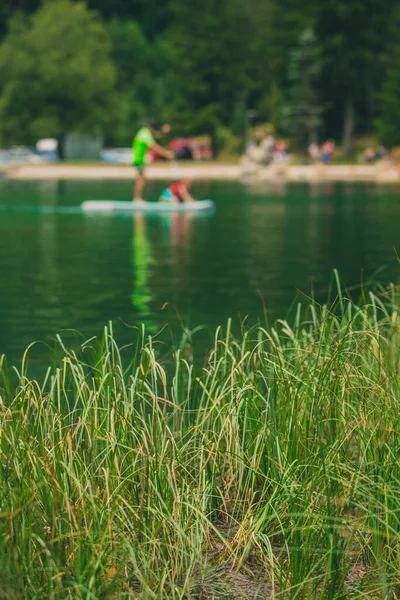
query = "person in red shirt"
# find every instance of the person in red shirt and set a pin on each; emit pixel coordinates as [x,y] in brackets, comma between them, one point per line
[177,192]
[328,151]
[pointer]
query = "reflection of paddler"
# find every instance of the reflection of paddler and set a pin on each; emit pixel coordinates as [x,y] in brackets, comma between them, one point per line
[180,231]
[177,229]
[177,251]
[141,261]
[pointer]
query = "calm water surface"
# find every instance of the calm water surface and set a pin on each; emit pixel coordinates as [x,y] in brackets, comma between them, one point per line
[64,270]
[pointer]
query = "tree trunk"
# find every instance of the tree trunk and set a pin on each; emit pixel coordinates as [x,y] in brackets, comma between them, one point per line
[61,146]
[313,135]
[348,127]
[214,143]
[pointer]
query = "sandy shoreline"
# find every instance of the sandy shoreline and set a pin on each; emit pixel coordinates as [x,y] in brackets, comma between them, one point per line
[106,171]
[208,171]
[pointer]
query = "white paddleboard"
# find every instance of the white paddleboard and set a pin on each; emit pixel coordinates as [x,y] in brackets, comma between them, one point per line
[151,207]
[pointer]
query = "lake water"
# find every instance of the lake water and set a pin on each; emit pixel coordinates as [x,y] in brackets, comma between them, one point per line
[63,270]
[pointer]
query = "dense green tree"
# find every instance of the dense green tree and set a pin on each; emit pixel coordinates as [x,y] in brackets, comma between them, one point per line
[213,54]
[201,65]
[152,15]
[9,7]
[261,64]
[352,34]
[56,74]
[140,66]
[388,123]
[304,110]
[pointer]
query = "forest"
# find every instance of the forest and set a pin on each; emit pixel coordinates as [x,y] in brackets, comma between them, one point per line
[312,70]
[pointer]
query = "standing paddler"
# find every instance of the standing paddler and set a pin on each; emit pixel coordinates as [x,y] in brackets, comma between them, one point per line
[144,141]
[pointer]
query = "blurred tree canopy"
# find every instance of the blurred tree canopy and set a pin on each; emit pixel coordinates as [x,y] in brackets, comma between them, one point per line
[303,110]
[56,73]
[208,43]
[388,121]
[201,65]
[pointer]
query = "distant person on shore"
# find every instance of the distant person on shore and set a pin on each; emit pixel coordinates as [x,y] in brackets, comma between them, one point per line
[269,143]
[328,151]
[369,155]
[254,151]
[177,192]
[143,141]
[381,152]
[314,152]
[281,151]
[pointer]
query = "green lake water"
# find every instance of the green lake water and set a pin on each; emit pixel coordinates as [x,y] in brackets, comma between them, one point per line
[63,270]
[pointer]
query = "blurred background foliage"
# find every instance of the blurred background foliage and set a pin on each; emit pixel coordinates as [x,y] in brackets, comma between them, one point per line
[313,70]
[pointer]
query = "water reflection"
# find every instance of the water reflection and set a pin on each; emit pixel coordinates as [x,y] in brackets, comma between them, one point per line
[142,261]
[279,187]
[77,271]
[160,254]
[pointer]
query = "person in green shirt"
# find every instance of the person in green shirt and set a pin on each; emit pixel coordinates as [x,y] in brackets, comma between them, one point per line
[143,141]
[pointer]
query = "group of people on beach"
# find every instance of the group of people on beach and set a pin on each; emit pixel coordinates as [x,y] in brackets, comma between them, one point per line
[264,149]
[324,153]
[145,140]
[371,155]
[267,150]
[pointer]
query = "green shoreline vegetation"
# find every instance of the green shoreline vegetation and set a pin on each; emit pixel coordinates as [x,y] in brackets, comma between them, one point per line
[271,471]
[313,70]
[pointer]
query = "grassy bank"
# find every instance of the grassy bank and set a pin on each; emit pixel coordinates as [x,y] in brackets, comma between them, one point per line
[271,472]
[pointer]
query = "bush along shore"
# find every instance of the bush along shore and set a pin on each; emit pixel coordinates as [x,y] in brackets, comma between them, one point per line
[271,471]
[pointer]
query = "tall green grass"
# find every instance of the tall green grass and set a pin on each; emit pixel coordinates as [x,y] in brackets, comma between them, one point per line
[270,472]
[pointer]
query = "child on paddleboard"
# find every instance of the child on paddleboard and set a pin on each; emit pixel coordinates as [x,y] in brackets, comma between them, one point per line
[177,192]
